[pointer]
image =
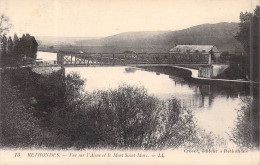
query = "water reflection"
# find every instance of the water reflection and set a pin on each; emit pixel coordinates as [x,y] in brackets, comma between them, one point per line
[204,94]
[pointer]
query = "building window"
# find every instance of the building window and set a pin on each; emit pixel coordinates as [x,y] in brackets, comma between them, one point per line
[188,50]
[196,51]
[203,51]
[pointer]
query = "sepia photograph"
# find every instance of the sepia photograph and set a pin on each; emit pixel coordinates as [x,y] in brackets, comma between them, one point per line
[132,82]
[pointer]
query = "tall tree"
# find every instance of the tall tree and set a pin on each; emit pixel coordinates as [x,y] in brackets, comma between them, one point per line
[4,25]
[16,44]
[248,35]
[4,29]
[10,45]
[34,47]
[4,46]
[28,45]
[22,45]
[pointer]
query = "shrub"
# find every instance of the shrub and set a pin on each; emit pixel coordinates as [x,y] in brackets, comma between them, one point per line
[205,140]
[19,128]
[246,133]
[126,117]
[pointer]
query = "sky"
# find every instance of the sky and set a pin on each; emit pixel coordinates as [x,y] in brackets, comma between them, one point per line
[99,18]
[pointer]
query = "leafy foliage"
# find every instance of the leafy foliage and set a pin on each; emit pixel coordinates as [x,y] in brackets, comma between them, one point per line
[246,133]
[19,128]
[4,25]
[18,51]
[47,91]
[248,35]
[124,118]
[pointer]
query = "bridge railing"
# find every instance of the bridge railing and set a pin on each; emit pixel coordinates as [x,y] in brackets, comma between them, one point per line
[70,58]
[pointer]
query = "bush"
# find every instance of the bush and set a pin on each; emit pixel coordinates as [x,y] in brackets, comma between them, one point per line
[205,140]
[246,133]
[19,128]
[124,118]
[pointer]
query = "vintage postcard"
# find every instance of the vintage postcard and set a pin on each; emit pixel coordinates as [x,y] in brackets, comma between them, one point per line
[129,82]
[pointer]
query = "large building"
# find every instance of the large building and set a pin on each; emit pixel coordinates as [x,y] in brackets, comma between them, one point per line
[196,49]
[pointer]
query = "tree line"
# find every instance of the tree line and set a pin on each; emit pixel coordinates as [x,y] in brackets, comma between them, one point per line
[16,50]
[248,36]
[244,66]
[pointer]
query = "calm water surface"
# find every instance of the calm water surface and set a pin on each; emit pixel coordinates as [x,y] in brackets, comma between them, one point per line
[214,108]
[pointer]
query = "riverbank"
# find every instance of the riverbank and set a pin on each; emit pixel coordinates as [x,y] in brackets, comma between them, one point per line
[191,75]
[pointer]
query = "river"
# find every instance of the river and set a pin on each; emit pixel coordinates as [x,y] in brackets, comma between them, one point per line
[215,109]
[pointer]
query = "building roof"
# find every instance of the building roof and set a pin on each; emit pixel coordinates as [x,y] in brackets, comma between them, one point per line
[193,49]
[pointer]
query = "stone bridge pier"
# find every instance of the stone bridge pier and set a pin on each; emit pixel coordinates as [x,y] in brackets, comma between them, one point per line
[206,71]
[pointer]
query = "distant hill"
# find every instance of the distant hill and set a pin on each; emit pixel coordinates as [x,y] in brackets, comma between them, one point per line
[52,41]
[220,35]
[126,39]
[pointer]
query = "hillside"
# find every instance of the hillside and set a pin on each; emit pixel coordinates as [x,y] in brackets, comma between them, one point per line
[220,34]
[126,39]
[51,40]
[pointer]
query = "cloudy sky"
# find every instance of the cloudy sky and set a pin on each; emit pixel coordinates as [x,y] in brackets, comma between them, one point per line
[91,18]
